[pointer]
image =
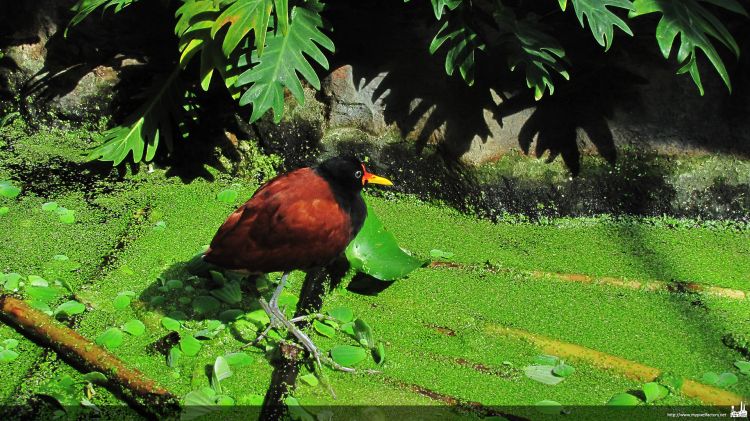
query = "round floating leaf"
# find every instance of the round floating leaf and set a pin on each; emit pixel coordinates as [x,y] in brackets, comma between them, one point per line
[11,281]
[363,333]
[4,210]
[111,338]
[342,314]
[743,366]
[68,216]
[170,323]
[160,226]
[710,378]
[542,374]
[60,257]
[654,391]
[563,370]
[70,308]
[375,252]
[623,399]
[228,316]
[204,305]
[157,300]
[121,302]
[8,355]
[227,196]
[258,317]
[173,358]
[348,355]
[9,343]
[190,346]
[49,206]
[309,379]
[672,381]
[726,380]
[41,306]
[238,359]
[545,360]
[324,329]
[440,254]
[348,328]
[9,190]
[44,294]
[549,407]
[95,377]
[134,327]
[174,284]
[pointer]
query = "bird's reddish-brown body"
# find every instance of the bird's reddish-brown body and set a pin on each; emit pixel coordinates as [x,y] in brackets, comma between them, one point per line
[292,222]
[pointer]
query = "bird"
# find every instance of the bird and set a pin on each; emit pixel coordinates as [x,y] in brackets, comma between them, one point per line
[299,220]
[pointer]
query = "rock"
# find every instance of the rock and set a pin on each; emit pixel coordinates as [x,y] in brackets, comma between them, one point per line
[354,106]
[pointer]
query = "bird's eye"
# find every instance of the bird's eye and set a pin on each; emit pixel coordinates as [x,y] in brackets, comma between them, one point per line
[358,174]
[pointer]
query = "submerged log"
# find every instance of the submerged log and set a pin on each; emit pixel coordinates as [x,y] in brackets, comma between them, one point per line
[143,393]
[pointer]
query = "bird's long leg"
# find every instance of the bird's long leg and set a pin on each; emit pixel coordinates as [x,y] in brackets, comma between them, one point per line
[274,303]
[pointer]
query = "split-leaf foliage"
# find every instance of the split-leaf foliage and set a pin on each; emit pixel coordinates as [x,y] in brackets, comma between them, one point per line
[261,49]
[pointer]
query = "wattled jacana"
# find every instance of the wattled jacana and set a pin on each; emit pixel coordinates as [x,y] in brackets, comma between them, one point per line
[299,220]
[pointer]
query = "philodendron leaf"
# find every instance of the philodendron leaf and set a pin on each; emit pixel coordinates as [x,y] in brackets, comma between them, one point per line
[375,252]
[654,391]
[601,19]
[348,355]
[623,399]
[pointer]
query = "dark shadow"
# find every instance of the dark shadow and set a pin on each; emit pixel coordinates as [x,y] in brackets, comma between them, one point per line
[367,285]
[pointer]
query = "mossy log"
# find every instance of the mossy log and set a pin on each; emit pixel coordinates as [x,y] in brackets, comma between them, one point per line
[143,393]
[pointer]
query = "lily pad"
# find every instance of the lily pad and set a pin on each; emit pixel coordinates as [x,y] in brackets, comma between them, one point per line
[4,210]
[309,379]
[67,216]
[375,252]
[174,284]
[348,355]
[227,196]
[743,366]
[238,359]
[110,338]
[228,316]
[134,327]
[342,314]
[37,281]
[623,399]
[69,308]
[160,226]
[190,346]
[324,329]
[542,374]
[8,355]
[11,281]
[230,293]
[44,294]
[440,254]
[9,344]
[549,407]
[7,189]
[49,206]
[654,391]
[726,380]
[122,301]
[205,304]
[563,370]
[170,323]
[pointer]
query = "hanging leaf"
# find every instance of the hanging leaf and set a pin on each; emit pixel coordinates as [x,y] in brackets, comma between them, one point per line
[602,20]
[695,25]
[283,59]
[244,16]
[462,42]
[348,355]
[85,7]
[375,252]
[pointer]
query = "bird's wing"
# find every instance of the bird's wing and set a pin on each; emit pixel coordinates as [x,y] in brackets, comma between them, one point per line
[293,221]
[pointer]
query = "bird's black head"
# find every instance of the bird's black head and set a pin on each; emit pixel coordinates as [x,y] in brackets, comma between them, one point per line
[348,173]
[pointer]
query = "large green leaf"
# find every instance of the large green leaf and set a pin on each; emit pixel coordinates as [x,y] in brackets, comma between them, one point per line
[538,53]
[284,57]
[244,16]
[602,20]
[695,25]
[144,129]
[375,252]
[462,42]
[85,7]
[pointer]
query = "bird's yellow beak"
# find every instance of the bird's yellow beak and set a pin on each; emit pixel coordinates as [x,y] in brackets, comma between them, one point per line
[374,179]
